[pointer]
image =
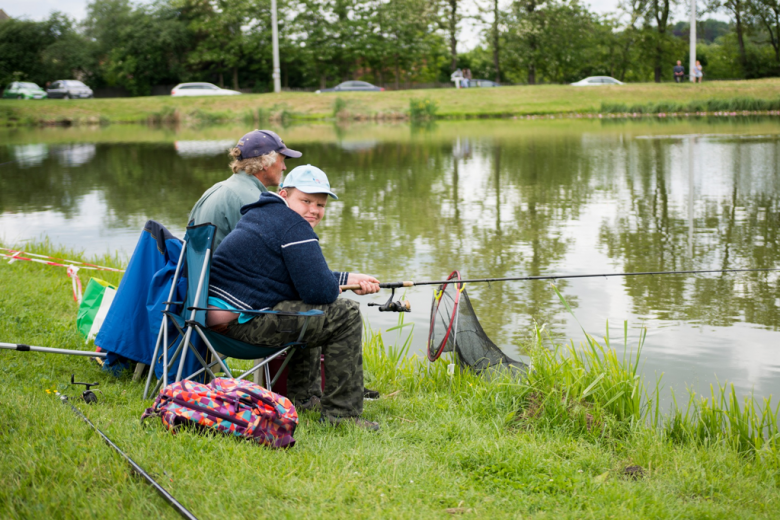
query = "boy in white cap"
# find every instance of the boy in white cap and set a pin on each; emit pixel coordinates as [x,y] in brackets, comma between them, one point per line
[272,259]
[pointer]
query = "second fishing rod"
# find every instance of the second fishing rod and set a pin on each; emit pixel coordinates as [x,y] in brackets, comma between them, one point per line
[409,283]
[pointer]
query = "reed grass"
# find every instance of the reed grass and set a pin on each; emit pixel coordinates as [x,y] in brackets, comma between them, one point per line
[735,104]
[423,109]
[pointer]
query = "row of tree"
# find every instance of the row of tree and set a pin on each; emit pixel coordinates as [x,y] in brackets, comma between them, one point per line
[393,43]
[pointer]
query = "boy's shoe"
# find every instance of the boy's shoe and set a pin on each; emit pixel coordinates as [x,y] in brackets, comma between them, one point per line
[370,394]
[357,421]
[313,403]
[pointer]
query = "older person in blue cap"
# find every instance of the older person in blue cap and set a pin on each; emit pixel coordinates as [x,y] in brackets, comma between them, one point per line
[273,260]
[258,163]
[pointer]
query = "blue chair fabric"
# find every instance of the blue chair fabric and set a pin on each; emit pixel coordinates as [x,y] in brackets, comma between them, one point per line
[129,331]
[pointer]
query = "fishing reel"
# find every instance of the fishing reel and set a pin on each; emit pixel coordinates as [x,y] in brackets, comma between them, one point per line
[88,395]
[391,306]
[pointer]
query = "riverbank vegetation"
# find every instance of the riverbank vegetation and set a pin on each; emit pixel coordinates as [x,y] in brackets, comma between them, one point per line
[289,107]
[582,436]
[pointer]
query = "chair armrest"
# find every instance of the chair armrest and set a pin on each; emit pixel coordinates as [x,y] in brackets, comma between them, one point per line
[313,312]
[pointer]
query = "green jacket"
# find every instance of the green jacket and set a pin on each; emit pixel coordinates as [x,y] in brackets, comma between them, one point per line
[221,204]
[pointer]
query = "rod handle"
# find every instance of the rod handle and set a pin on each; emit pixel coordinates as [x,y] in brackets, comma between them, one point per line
[388,285]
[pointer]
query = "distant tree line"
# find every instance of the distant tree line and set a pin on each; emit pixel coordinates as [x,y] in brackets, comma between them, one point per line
[393,43]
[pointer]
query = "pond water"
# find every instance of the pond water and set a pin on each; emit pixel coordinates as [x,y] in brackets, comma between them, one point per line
[490,198]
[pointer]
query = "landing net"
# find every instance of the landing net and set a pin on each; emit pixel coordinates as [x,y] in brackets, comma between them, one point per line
[456,328]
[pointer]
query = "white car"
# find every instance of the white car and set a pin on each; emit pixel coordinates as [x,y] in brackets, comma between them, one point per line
[597,80]
[201,89]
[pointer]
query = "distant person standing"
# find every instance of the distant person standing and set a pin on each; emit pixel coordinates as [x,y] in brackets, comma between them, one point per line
[698,73]
[679,72]
[467,78]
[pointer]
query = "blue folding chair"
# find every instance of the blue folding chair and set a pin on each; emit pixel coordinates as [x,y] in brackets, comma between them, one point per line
[192,320]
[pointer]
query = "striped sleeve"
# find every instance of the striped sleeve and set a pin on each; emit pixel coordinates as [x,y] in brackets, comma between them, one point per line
[341,277]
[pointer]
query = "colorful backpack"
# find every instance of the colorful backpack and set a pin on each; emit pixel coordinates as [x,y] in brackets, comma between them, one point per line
[230,406]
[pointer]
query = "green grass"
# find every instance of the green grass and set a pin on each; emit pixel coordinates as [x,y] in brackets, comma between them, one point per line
[737,104]
[392,106]
[552,446]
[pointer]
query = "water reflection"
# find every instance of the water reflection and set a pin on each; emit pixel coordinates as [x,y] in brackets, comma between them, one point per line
[29,155]
[504,199]
[74,154]
[192,149]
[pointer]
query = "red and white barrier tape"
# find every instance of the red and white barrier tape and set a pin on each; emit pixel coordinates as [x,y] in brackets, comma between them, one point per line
[85,265]
[73,274]
[73,270]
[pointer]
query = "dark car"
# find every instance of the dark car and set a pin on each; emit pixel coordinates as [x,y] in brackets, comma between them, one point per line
[353,86]
[68,89]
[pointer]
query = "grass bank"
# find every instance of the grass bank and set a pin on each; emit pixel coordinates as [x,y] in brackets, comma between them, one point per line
[386,106]
[557,445]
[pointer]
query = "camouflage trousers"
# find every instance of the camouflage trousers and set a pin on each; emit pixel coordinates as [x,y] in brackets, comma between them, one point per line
[337,334]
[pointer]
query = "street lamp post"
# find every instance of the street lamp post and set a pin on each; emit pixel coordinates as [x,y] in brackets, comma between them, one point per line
[275,37]
[692,57]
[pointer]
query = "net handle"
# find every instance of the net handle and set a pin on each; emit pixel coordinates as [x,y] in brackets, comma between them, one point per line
[454,275]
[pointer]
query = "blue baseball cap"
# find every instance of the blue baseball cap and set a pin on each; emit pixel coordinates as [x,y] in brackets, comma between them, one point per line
[308,179]
[261,142]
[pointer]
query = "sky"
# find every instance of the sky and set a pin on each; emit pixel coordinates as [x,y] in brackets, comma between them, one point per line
[40,9]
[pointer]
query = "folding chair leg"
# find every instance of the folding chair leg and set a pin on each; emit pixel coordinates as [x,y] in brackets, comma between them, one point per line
[184,348]
[201,370]
[163,381]
[203,363]
[213,353]
[264,364]
[154,357]
[165,355]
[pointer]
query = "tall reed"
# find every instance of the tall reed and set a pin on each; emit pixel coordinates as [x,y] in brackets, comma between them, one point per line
[747,427]
[736,104]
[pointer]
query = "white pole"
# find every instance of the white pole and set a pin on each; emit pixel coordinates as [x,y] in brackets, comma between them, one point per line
[692,58]
[275,30]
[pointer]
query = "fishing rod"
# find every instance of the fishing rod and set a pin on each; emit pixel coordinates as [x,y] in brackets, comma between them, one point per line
[21,347]
[398,285]
[183,511]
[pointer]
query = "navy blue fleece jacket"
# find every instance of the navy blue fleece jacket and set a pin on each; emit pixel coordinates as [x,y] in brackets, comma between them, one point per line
[272,255]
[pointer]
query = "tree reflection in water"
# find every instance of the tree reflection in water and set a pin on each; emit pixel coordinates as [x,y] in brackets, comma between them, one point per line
[492,199]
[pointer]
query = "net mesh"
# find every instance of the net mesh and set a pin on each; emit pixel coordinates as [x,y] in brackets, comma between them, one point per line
[443,319]
[468,339]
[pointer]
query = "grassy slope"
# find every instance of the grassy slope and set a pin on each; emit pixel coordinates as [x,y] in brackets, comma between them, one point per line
[518,100]
[444,444]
